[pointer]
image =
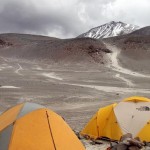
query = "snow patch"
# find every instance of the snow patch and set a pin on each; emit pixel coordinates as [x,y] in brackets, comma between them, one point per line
[128,82]
[19,69]
[52,75]
[110,29]
[38,68]
[9,87]
[113,89]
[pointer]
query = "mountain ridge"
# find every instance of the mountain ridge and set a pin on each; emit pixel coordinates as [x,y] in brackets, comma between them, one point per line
[110,29]
[49,49]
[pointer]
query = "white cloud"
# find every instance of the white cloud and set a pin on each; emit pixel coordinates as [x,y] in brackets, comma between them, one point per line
[69,18]
[130,11]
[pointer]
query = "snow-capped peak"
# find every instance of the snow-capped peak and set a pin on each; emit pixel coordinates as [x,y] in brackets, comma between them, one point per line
[110,29]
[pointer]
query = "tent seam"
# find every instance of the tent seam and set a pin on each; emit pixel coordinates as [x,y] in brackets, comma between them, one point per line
[50,130]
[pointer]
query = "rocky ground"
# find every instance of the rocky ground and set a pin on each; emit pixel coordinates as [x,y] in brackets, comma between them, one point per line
[73,90]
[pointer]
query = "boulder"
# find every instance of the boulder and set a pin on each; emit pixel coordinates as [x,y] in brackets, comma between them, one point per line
[135,142]
[133,148]
[125,136]
[120,146]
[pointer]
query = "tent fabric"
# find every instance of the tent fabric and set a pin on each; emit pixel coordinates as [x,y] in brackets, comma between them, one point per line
[105,125]
[134,120]
[137,99]
[91,128]
[111,128]
[132,115]
[9,116]
[30,126]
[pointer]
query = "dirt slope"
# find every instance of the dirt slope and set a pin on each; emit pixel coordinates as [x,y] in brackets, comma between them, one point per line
[31,47]
[135,50]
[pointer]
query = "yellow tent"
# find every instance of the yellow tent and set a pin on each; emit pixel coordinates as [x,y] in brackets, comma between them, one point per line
[132,115]
[30,126]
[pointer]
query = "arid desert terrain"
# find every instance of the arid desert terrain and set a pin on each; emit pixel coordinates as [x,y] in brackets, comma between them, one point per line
[77,85]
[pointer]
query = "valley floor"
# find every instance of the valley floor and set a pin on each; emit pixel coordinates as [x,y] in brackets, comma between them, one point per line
[73,91]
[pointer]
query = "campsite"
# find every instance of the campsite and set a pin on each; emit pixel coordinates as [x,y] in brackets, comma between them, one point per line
[70,89]
[110,128]
[32,126]
[115,123]
[74,75]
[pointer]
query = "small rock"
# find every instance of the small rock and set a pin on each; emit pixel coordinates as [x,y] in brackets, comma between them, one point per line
[137,138]
[113,144]
[133,148]
[97,142]
[106,50]
[147,148]
[122,146]
[125,136]
[135,142]
[147,144]
[126,141]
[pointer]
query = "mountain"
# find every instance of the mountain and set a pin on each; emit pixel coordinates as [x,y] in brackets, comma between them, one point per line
[142,32]
[42,48]
[110,29]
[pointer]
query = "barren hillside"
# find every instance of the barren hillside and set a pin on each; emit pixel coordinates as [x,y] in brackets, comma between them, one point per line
[135,49]
[42,48]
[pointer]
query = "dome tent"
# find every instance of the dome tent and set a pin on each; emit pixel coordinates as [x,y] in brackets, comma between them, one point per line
[30,126]
[131,115]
